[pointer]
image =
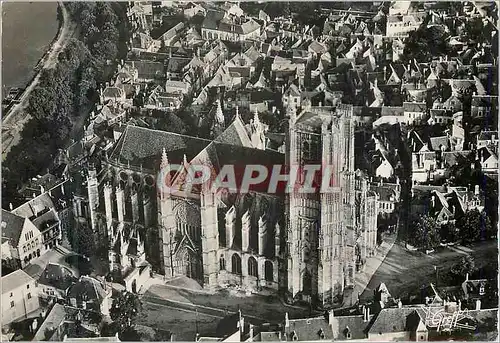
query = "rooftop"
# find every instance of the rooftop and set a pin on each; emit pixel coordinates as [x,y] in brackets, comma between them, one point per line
[14,280]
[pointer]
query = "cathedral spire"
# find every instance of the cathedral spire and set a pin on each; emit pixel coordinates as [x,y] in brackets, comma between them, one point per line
[256,119]
[219,116]
[164,159]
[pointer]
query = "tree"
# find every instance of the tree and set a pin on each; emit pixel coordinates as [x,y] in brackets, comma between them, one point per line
[474,226]
[81,239]
[425,43]
[449,232]
[124,311]
[424,233]
[466,266]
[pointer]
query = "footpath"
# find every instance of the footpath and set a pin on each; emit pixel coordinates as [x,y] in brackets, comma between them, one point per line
[372,264]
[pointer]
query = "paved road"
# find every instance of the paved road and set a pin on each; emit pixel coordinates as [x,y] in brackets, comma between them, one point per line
[14,120]
[404,271]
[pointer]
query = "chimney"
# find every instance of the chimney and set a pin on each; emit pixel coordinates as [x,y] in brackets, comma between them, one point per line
[467,277]
[364,314]
[478,305]
[433,201]
[476,189]
[330,317]
[367,313]
[287,320]
[250,334]
[400,304]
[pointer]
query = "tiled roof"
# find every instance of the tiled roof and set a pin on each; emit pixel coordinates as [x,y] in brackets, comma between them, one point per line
[391,320]
[487,135]
[414,106]
[53,320]
[176,64]
[87,288]
[235,134]
[391,111]
[57,276]
[148,69]
[437,142]
[14,280]
[34,206]
[309,329]
[144,146]
[12,226]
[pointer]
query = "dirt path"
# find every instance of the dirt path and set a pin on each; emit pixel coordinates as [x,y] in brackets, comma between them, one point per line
[13,122]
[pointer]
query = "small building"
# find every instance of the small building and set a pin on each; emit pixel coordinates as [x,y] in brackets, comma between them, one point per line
[55,281]
[19,296]
[22,241]
[90,294]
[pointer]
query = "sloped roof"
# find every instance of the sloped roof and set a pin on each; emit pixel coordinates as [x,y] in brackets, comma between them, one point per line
[140,145]
[88,288]
[14,280]
[57,276]
[436,142]
[12,226]
[391,320]
[308,329]
[235,134]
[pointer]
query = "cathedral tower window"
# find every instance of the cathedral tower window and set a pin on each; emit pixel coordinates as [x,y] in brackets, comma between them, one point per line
[252,266]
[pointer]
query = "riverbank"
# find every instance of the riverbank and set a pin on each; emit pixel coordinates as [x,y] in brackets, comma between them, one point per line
[13,122]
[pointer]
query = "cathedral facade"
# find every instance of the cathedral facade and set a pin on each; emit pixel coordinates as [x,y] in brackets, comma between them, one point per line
[305,245]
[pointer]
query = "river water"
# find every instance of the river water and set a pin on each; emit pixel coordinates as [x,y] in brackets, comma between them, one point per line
[28,28]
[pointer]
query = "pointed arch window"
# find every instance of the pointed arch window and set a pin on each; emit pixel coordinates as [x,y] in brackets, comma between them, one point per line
[236,264]
[252,266]
[222,262]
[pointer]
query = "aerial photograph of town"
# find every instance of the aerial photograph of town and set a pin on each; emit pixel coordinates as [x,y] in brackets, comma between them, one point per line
[249,171]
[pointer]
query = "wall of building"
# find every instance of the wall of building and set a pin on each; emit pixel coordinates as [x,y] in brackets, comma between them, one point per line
[19,302]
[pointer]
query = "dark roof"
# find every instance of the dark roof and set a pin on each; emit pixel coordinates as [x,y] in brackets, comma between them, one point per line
[212,18]
[487,135]
[88,288]
[309,329]
[175,64]
[148,69]
[57,276]
[391,111]
[391,320]
[414,106]
[45,220]
[234,134]
[144,146]
[12,226]
[437,142]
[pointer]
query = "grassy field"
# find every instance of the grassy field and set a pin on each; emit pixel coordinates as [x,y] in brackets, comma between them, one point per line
[269,309]
[405,271]
[181,323]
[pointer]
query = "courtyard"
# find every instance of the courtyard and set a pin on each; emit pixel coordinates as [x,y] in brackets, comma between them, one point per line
[404,271]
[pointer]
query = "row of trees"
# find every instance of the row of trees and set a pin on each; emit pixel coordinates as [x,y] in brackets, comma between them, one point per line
[62,94]
[472,226]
